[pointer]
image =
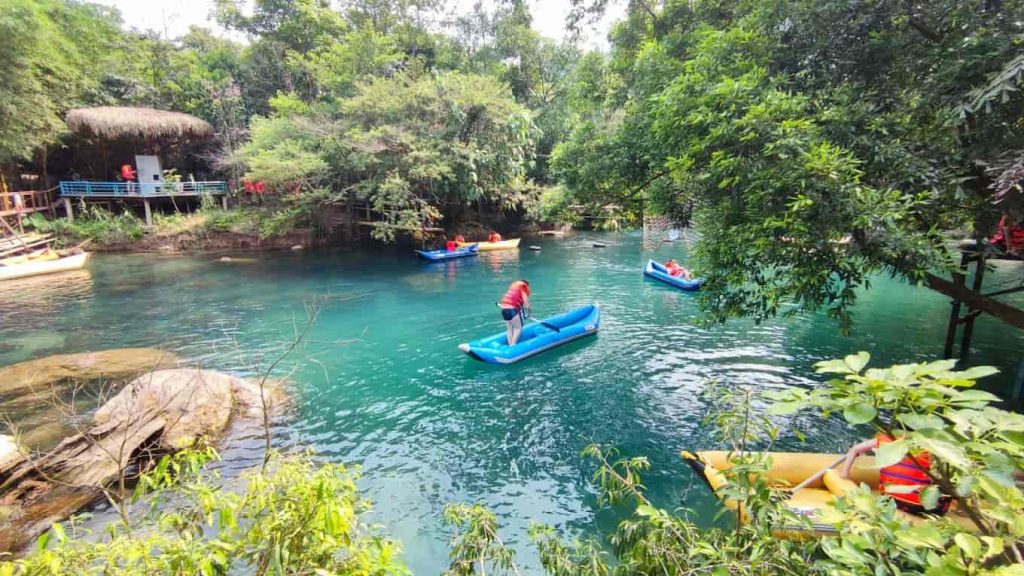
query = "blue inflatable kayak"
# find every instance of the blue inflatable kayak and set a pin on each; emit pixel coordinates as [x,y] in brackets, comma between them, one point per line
[536,337]
[438,255]
[658,272]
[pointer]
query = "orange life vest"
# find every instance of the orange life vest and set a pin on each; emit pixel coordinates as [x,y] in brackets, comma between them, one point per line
[494,237]
[451,246]
[906,472]
[514,295]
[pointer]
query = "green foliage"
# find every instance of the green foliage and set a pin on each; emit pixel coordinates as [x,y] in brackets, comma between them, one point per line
[94,223]
[475,542]
[54,55]
[407,144]
[555,206]
[976,449]
[817,143]
[293,517]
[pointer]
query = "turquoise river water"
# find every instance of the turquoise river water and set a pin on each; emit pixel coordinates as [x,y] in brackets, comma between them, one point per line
[381,381]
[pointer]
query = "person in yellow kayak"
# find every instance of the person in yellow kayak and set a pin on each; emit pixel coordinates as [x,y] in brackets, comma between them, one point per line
[494,237]
[515,307]
[910,473]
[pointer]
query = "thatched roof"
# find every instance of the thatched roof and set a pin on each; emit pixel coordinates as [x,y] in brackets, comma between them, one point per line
[112,122]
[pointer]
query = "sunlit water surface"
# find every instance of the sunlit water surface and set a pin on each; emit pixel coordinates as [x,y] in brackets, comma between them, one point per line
[381,382]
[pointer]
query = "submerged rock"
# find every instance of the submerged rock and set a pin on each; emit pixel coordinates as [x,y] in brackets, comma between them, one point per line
[107,364]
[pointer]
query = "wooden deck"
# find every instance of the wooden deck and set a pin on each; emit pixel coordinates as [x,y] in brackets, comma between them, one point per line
[25,202]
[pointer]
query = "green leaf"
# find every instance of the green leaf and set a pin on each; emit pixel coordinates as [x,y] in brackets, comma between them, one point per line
[784,408]
[969,544]
[930,497]
[646,510]
[976,372]
[946,451]
[857,362]
[860,413]
[920,421]
[890,453]
[832,367]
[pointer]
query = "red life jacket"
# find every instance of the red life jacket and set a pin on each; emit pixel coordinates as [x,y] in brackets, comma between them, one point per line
[127,172]
[451,246]
[513,297]
[906,472]
[1016,240]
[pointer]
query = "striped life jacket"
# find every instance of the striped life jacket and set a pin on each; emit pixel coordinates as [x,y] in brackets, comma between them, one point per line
[906,472]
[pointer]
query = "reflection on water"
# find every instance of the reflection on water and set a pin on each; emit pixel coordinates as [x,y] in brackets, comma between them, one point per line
[381,381]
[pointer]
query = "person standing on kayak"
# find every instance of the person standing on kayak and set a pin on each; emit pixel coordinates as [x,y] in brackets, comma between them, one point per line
[515,306]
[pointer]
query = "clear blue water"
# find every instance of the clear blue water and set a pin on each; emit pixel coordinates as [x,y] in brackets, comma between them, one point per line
[381,381]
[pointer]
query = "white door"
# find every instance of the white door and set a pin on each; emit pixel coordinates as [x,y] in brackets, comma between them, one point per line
[150,174]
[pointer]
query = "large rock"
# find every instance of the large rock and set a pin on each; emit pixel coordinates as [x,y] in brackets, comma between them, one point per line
[123,363]
[158,412]
[189,402]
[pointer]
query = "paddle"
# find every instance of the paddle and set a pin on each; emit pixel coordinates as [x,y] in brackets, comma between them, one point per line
[807,482]
[541,322]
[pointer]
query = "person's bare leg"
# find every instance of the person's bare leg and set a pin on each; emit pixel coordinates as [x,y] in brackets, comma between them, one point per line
[517,330]
[512,336]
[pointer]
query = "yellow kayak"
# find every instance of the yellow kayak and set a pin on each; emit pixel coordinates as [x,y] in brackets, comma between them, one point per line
[792,468]
[490,246]
[44,266]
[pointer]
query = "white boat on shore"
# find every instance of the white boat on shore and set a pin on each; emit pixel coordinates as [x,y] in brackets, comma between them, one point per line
[40,267]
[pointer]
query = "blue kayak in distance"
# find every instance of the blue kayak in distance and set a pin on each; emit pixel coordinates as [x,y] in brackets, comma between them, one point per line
[658,272]
[536,337]
[439,255]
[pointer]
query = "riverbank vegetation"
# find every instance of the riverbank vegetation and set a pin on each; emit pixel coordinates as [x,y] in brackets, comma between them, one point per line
[295,515]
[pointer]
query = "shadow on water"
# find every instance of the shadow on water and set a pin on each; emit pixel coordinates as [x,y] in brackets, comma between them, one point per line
[381,381]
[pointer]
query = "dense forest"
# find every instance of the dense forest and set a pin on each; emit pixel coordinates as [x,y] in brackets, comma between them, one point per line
[812,143]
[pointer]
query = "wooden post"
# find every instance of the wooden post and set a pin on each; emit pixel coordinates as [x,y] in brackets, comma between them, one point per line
[224,201]
[954,313]
[149,213]
[979,277]
[70,211]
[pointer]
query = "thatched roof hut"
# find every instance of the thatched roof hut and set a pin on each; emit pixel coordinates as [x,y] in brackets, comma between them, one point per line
[116,122]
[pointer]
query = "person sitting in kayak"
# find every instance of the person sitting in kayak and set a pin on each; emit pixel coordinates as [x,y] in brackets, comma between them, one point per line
[675,270]
[460,239]
[515,306]
[494,237]
[451,246]
[894,479]
[1008,238]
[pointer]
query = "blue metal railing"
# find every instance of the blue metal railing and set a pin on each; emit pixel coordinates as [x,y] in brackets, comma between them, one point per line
[89,189]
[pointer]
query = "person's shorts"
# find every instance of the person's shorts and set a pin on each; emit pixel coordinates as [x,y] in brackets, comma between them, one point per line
[507,314]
